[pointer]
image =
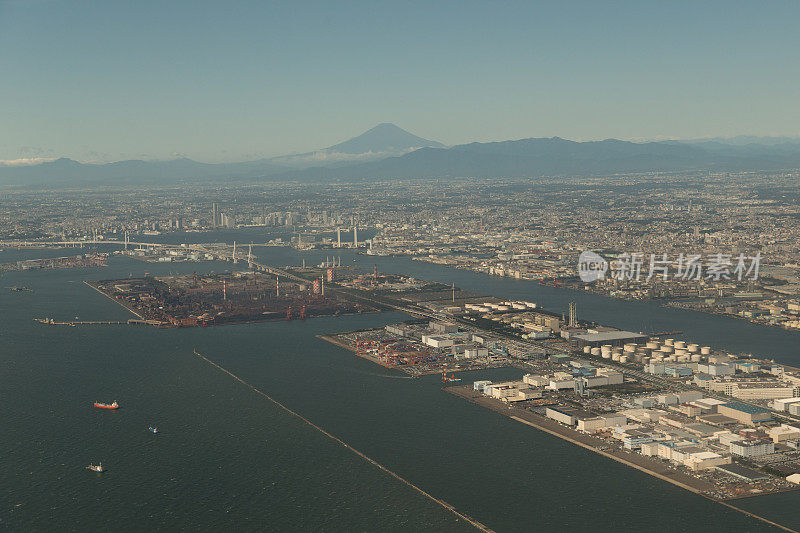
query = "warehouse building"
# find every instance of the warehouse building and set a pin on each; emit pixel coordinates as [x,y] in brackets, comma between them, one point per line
[782,404]
[443,327]
[614,338]
[744,413]
[590,425]
[615,377]
[754,390]
[783,433]
[536,381]
[472,353]
[709,404]
[706,459]
[481,385]
[568,415]
[438,341]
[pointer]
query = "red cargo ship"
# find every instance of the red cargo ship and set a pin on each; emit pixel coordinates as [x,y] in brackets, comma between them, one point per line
[100,405]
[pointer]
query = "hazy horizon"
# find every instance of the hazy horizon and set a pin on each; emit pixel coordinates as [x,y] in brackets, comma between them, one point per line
[212,82]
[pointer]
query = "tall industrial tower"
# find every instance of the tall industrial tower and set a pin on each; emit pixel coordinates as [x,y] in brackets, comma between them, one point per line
[355,236]
[573,315]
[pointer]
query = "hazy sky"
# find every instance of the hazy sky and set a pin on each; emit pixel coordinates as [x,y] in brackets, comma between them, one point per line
[237,80]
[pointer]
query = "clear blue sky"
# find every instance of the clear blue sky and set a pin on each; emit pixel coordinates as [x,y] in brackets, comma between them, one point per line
[240,80]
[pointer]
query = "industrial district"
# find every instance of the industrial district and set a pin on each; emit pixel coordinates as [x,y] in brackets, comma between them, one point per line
[718,424]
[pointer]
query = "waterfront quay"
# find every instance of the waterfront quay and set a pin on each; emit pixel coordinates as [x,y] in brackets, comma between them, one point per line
[385,348]
[718,485]
[717,424]
[595,444]
[214,299]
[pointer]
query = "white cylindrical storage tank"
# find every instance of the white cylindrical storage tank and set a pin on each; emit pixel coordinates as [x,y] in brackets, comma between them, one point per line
[623,359]
[682,358]
[653,345]
[679,351]
[680,344]
[693,348]
[669,342]
[615,357]
[705,350]
[696,358]
[587,349]
[665,349]
[607,355]
[595,351]
[671,359]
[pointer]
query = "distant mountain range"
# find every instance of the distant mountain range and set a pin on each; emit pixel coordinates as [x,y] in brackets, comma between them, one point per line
[387,151]
[382,141]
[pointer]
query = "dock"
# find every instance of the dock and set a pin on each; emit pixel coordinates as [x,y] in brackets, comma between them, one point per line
[74,323]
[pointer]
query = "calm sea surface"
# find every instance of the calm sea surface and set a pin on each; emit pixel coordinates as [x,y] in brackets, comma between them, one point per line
[227,458]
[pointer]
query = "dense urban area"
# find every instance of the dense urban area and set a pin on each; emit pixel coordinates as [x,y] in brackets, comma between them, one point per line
[724,425]
[714,242]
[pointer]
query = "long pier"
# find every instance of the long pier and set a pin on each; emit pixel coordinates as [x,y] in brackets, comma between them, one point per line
[477,525]
[129,322]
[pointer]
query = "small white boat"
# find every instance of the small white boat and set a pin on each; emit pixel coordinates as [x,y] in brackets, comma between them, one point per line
[96,468]
[152,429]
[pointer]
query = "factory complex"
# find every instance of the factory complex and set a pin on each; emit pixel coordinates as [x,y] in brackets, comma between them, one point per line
[732,449]
[719,424]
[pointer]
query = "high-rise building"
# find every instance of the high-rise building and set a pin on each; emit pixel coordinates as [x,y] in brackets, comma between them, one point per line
[573,315]
[215,214]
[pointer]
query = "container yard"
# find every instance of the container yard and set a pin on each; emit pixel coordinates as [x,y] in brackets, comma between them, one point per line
[423,348]
[215,299]
[76,261]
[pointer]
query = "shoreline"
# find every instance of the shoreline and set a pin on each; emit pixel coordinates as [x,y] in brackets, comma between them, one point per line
[640,462]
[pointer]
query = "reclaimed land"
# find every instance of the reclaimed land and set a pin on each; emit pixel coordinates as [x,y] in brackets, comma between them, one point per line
[334,339]
[632,459]
[639,462]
